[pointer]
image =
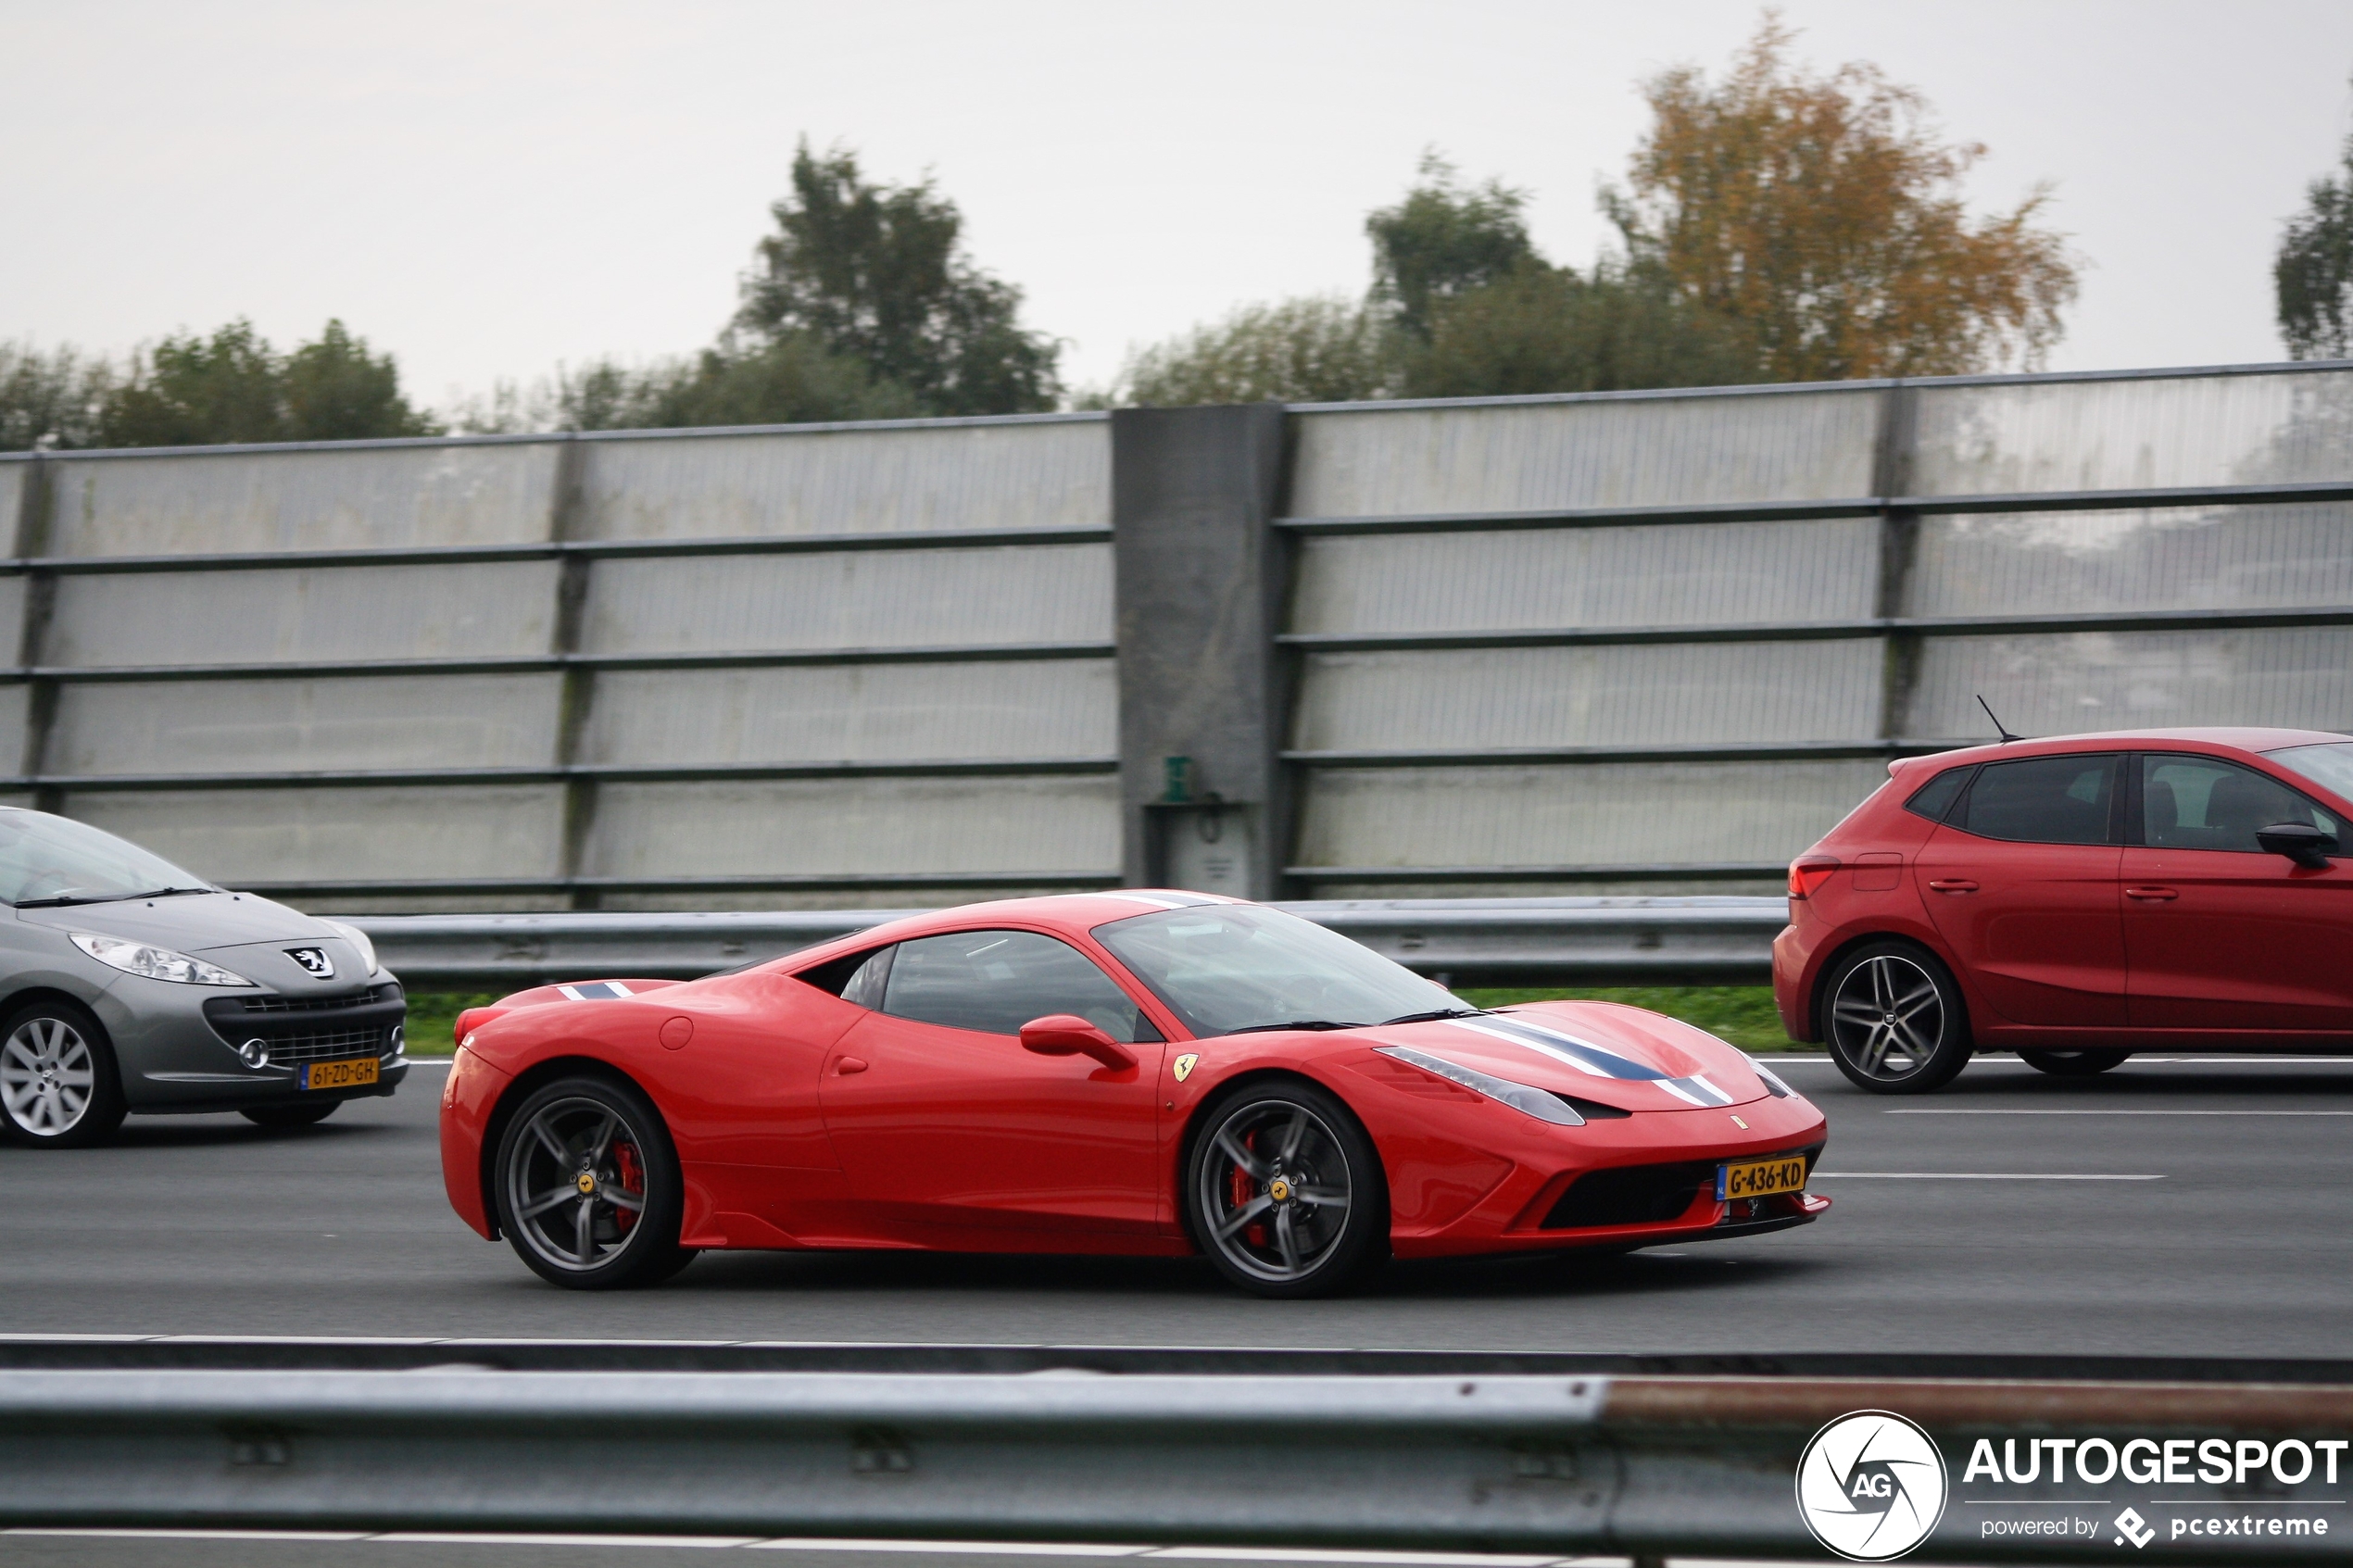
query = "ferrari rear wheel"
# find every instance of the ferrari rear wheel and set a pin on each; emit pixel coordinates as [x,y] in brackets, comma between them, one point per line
[2073,1064]
[1896,1021]
[1284,1191]
[587,1187]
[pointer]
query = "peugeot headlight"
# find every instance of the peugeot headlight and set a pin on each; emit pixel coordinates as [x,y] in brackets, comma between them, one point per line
[153,963]
[358,940]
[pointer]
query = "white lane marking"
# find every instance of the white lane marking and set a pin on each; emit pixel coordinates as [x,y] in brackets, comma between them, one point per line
[824,1543]
[469,1538]
[977,1548]
[1967,1176]
[1294,1554]
[184,1534]
[1949,1111]
[2225,1059]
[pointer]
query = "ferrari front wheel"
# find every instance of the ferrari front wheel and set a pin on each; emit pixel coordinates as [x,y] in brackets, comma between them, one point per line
[1284,1191]
[587,1187]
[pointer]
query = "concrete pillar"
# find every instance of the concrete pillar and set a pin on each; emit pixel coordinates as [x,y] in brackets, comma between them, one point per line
[1201,580]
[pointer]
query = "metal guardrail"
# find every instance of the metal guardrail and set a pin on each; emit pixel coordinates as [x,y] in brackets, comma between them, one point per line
[1468,942]
[1562,1465]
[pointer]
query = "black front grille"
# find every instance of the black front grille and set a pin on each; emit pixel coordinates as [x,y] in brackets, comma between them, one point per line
[296,1029]
[326,1044]
[316,1004]
[1631,1194]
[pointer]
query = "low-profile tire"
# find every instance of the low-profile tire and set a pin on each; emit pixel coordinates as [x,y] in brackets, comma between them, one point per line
[302,1113]
[1894,1021]
[1284,1190]
[586,1185]
[2073,1064]
[59,1085]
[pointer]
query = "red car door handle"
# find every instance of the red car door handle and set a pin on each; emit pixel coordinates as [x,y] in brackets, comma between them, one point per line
[2151,894]
[1953,884]
[849,1064]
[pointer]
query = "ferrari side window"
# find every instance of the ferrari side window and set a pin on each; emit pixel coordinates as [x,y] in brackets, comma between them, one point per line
[864,987]
[997,980]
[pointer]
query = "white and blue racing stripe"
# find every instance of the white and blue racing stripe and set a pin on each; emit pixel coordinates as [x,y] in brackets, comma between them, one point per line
[596,991]
[1592,1058]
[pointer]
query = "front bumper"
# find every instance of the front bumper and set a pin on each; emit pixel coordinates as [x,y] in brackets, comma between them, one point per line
[177,1044]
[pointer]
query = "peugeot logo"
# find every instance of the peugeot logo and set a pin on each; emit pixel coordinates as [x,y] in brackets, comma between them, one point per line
[315,960]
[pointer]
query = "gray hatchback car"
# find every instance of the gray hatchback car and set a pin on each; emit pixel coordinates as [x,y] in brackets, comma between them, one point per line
[128,985]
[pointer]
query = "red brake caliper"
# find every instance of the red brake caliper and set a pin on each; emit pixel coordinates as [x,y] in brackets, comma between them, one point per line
[633,1182]
[1255,1234]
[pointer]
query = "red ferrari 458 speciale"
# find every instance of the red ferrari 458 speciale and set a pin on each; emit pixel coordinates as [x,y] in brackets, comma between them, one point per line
[1143,1072]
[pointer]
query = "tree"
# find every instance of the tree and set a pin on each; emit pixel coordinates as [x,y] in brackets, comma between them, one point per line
[2313,275]
[1319,349]
[49,399]
[1550,329]
[1442,241]
[878,274]
[791,380]
[334,389]
[189,390]
[1824,215]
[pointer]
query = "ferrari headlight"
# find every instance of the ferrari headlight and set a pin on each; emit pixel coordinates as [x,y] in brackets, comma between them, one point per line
[1773,1084]
[153,963]
[359,942]
[1539,1103]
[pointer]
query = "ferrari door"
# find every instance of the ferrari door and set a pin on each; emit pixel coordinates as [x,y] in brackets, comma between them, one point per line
[2223,936]
[2022,884]
[944,1124]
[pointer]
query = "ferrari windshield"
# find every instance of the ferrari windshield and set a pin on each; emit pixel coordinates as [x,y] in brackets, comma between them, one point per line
[47,860]
[2330,765]
[1225,968]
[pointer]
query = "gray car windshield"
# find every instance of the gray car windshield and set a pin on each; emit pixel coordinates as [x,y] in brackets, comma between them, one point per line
[2329,765]
[47,860]
[1225,968]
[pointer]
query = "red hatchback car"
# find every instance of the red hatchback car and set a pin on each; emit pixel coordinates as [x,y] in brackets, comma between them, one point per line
[2077,900]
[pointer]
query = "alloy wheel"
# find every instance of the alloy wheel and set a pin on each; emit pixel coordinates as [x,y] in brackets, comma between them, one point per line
[47,1077]
[1274,1191]
[576,1183]
[1888,1018]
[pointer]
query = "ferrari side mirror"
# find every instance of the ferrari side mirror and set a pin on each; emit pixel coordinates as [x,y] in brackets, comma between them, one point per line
[1063,1034]
[2300,842]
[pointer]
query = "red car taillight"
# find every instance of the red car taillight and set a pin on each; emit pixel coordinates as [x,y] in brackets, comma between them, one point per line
[1807,873]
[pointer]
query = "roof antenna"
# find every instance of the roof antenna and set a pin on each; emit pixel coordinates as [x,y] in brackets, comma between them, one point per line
[1999,728]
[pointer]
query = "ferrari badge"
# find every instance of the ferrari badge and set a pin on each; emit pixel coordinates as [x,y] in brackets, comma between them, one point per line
[1185,1066]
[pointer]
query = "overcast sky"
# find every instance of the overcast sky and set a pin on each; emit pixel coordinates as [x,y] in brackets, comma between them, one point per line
[487,188]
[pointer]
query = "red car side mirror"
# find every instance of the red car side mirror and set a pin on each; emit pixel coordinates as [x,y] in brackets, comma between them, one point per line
[1064,1034]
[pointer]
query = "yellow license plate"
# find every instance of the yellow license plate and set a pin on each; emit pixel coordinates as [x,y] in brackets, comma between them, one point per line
[349,1073]
[1759,1178]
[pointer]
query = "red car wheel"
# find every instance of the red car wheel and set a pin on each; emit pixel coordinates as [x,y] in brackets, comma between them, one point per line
[1896,1024]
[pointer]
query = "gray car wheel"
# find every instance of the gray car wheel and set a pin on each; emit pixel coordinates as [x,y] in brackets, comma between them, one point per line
[1285,1192]
[58,1086]
[1896,1021]
[587,1187]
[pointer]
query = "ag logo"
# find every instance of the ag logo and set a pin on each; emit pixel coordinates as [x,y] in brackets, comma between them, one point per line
[1870,1485]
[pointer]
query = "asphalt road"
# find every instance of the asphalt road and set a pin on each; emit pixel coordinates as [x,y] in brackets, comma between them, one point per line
[2237,1243]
